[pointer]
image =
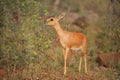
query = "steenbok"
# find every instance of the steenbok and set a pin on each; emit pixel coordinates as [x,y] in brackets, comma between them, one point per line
[70,40]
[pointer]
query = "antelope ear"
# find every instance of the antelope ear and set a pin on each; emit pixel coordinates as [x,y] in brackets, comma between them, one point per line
[61,16]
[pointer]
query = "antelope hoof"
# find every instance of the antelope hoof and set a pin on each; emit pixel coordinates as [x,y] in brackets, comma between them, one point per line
[86,73]
[65,73]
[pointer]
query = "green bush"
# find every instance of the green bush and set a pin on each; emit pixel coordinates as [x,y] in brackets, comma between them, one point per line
[22,43]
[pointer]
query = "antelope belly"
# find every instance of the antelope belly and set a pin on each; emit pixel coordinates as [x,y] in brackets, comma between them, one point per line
[77,48]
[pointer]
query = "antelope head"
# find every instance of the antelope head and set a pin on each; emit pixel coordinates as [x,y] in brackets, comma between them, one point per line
[52,21]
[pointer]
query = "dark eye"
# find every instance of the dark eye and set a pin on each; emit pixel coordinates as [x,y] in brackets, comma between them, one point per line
[51,19]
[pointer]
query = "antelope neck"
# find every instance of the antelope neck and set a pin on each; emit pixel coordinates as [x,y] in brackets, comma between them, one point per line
[59,30]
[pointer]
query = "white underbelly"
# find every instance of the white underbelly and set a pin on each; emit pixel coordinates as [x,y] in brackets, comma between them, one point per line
[72,48]
[77,48]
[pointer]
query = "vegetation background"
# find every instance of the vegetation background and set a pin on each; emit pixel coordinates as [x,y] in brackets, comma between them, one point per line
[29,50]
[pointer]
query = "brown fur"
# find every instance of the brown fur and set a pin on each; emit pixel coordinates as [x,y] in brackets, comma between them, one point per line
[70,40]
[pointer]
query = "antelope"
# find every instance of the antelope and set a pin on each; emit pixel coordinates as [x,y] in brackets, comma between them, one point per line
[70,41]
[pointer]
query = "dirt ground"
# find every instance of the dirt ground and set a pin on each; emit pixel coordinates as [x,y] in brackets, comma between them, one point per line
[100,73]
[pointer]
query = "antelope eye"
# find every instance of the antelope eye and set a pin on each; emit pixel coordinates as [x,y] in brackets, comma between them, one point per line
[51,19]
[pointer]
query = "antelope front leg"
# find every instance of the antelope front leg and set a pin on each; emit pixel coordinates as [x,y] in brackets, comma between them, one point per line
[80,63]
[65,58]
[85,61]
